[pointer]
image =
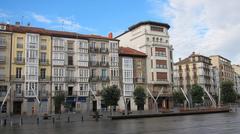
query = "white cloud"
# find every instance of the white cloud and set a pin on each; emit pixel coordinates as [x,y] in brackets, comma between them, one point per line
[70,25]
[41,18]
[206,26]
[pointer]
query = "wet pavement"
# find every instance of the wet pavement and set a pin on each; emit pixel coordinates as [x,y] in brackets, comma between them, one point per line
[222,123]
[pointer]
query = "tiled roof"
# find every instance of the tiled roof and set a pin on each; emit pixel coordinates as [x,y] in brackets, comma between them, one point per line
[42,31]
[127,51]
[188,59]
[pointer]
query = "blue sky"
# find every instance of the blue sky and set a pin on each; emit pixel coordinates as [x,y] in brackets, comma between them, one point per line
[196,25]
[85,16]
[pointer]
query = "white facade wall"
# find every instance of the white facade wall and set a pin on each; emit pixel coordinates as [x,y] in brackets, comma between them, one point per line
[141,38]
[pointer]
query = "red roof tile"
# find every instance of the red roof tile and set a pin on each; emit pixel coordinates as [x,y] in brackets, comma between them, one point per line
[127,51]
[42,31]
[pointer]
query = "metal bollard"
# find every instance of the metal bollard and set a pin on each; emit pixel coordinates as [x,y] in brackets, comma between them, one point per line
[11,123]
[68,119]
[21,121]
[38,120]
[82,117]
[4,122]
[53,120]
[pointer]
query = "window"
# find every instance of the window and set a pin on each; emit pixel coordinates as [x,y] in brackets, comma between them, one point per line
[83,57]
[104,72]
[43,44]
[70,73]
[93,73]
[93,57]
[114,72]
[83,87]
[128,62]
[83,73]
[58,72]
[19,42]
[43,57]
[103,45]
[93,87]
[161,76]
[70,46]
[93,44]
[19,55]
[114,47]
[58,87]
[58,45]
[18,89]
[161,64]
[128,75]
[18,72]
[157,29]
[3,91]
[3,41]
[43,73]
[160,52]
[139,63]
[104,58]
[147,38]
[70,60]
[32,38]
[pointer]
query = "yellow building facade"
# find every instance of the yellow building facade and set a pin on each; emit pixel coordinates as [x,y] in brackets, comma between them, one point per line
[24,100]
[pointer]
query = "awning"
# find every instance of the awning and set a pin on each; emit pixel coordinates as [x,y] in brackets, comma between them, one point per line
[82,99]
[70,99]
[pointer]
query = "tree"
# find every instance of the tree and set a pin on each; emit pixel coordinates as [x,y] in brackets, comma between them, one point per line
[228,95]
[178,97]
[139,96]
[196,93]
[111,96]
[58,101]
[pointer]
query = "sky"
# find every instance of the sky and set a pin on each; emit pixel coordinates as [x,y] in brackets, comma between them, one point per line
[208,27]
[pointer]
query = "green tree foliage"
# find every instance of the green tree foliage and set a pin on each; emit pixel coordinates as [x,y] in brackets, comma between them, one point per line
[228,95]
[111,95]
[178,97]
[197,93]
[140,97]
[58,101]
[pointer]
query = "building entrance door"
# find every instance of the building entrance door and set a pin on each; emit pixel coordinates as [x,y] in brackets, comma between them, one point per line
[17,107]
[94,106]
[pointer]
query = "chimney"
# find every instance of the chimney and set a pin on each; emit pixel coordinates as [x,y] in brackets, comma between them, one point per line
[110,35]
[179,59]
[17,23]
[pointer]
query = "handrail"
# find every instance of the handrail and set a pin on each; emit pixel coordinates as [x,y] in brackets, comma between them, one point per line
[210,97]
[185,95]
[5,98]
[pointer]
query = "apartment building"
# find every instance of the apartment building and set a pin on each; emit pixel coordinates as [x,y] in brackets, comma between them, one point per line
[224,67]
[45,62]
[236,69]
[30,70]
[195,69]
[103,68]
[133,74]
[82,66]
[152,39]
[5,54]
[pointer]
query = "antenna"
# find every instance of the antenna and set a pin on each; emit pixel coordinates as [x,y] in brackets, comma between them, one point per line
[22,20]
[62,24]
